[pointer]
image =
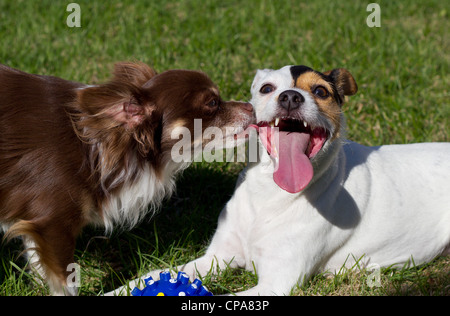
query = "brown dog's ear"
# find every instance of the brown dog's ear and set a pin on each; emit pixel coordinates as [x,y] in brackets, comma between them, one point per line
[121,101]
[135,73]
[131,113]
[110,107]
[343,81]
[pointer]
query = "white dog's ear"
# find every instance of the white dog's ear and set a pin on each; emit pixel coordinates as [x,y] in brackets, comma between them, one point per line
[343,80]
[260,73]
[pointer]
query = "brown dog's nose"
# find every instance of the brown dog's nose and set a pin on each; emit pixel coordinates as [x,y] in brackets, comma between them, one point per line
[247,107]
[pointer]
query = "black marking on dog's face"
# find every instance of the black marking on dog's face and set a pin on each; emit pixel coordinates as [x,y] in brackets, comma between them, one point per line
[297,71]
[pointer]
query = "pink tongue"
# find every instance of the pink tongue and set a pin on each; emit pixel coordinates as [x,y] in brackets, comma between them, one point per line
[294,170]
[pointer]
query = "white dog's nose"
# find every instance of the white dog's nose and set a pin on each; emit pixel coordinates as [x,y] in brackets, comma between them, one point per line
[290,100]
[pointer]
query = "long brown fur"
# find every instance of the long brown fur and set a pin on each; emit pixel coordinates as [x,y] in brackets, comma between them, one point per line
[67,149]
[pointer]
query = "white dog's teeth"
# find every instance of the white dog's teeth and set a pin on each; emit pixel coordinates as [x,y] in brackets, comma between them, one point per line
[277,121]
[305,124]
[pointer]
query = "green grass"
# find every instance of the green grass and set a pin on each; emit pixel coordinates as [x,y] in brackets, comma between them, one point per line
[402,69]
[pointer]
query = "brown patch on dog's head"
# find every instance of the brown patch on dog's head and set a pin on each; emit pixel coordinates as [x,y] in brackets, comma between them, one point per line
[328,89]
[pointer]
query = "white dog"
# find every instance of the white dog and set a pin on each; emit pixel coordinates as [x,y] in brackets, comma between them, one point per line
[319,201]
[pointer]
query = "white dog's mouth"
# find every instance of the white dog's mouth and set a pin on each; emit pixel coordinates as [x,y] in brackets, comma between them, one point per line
[292,143]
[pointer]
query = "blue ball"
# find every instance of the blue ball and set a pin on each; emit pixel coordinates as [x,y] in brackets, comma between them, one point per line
[166,286]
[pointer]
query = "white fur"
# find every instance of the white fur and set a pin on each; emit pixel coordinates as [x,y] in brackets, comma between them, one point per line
[384,205]
[134,201]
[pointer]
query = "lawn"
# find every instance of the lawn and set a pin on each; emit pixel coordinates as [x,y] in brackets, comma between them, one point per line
[402,69]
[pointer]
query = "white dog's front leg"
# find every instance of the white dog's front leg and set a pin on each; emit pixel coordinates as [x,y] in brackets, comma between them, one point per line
[224,252]
[280,269]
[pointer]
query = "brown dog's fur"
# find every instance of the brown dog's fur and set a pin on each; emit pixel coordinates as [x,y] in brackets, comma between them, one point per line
[70,152]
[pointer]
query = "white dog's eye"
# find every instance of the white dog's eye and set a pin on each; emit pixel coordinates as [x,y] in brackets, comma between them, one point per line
[267,88]
[321,92]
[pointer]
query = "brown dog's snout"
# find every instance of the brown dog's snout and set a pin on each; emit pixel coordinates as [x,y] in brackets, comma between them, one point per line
[247,107]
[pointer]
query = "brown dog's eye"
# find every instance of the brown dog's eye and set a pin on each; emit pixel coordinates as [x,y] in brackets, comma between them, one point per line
[267,88]
[213,103]
[321,92]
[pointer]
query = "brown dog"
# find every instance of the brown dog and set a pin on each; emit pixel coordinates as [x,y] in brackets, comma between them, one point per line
[73,154]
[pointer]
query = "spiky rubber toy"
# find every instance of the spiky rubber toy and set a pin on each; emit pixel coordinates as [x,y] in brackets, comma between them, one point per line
[167,286]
